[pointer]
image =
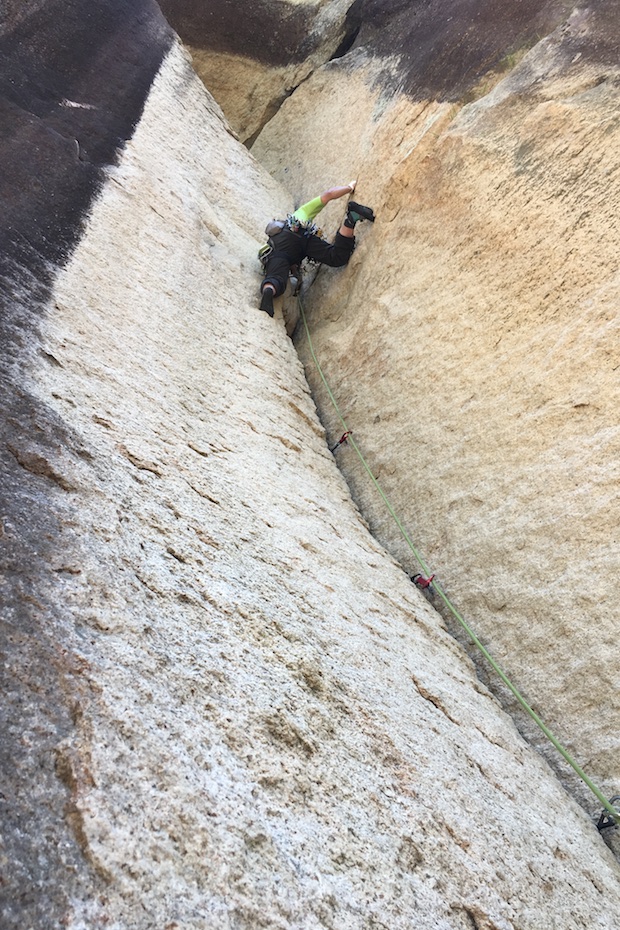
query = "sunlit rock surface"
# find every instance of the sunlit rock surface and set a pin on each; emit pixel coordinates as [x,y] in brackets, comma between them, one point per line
[473,345]
[226,706]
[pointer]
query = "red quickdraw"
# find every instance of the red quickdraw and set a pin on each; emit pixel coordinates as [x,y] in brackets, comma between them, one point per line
[421,581]
[342,441]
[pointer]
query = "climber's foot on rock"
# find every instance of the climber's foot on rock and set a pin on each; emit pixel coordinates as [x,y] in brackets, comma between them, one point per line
[358,212]
[266,301]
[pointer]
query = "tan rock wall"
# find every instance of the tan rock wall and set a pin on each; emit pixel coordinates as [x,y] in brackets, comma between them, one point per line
[275,730]
[473,346]
[252,56]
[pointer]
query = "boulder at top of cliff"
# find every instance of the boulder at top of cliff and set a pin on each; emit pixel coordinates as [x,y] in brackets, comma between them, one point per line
[251,56]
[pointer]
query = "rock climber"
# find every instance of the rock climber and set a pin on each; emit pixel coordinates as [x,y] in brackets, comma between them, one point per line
[297,238]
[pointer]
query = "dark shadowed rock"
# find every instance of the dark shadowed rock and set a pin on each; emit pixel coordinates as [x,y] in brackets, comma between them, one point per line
[73,79]
[432,48]
[252,55]
[441,48]
[43,865]
[274,33]
[74,76]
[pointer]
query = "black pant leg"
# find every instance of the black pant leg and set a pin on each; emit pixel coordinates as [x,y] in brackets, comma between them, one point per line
[276,272]
[335,254]
[289,249]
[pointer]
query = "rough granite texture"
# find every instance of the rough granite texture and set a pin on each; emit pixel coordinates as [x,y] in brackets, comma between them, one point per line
[61,123]
[472,344]
[252,55]
[269,726]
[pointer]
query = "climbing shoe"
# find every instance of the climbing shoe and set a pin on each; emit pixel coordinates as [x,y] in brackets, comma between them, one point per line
[357,212]
[266,301]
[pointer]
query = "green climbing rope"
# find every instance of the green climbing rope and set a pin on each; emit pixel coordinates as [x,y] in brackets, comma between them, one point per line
[448,603]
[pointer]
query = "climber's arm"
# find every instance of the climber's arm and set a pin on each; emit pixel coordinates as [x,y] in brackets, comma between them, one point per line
[309,210]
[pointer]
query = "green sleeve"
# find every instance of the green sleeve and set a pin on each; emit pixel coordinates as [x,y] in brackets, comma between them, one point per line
[309,210]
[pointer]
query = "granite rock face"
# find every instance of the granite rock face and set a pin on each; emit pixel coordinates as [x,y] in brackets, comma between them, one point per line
[61,126]
[270,726]
[252,55]
[473,342]
[225,704]
[62,123]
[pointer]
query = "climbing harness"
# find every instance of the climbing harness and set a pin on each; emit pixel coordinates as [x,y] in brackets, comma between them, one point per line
[611,814]
[301,227]
[272,229]
[304,228]
[264,252]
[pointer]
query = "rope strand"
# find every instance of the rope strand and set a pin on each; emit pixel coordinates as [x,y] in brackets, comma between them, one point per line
[607,805]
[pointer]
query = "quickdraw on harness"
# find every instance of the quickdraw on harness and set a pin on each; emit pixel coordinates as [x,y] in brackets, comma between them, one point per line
[342,441]
[295,225]
[301,227]
[271,229]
